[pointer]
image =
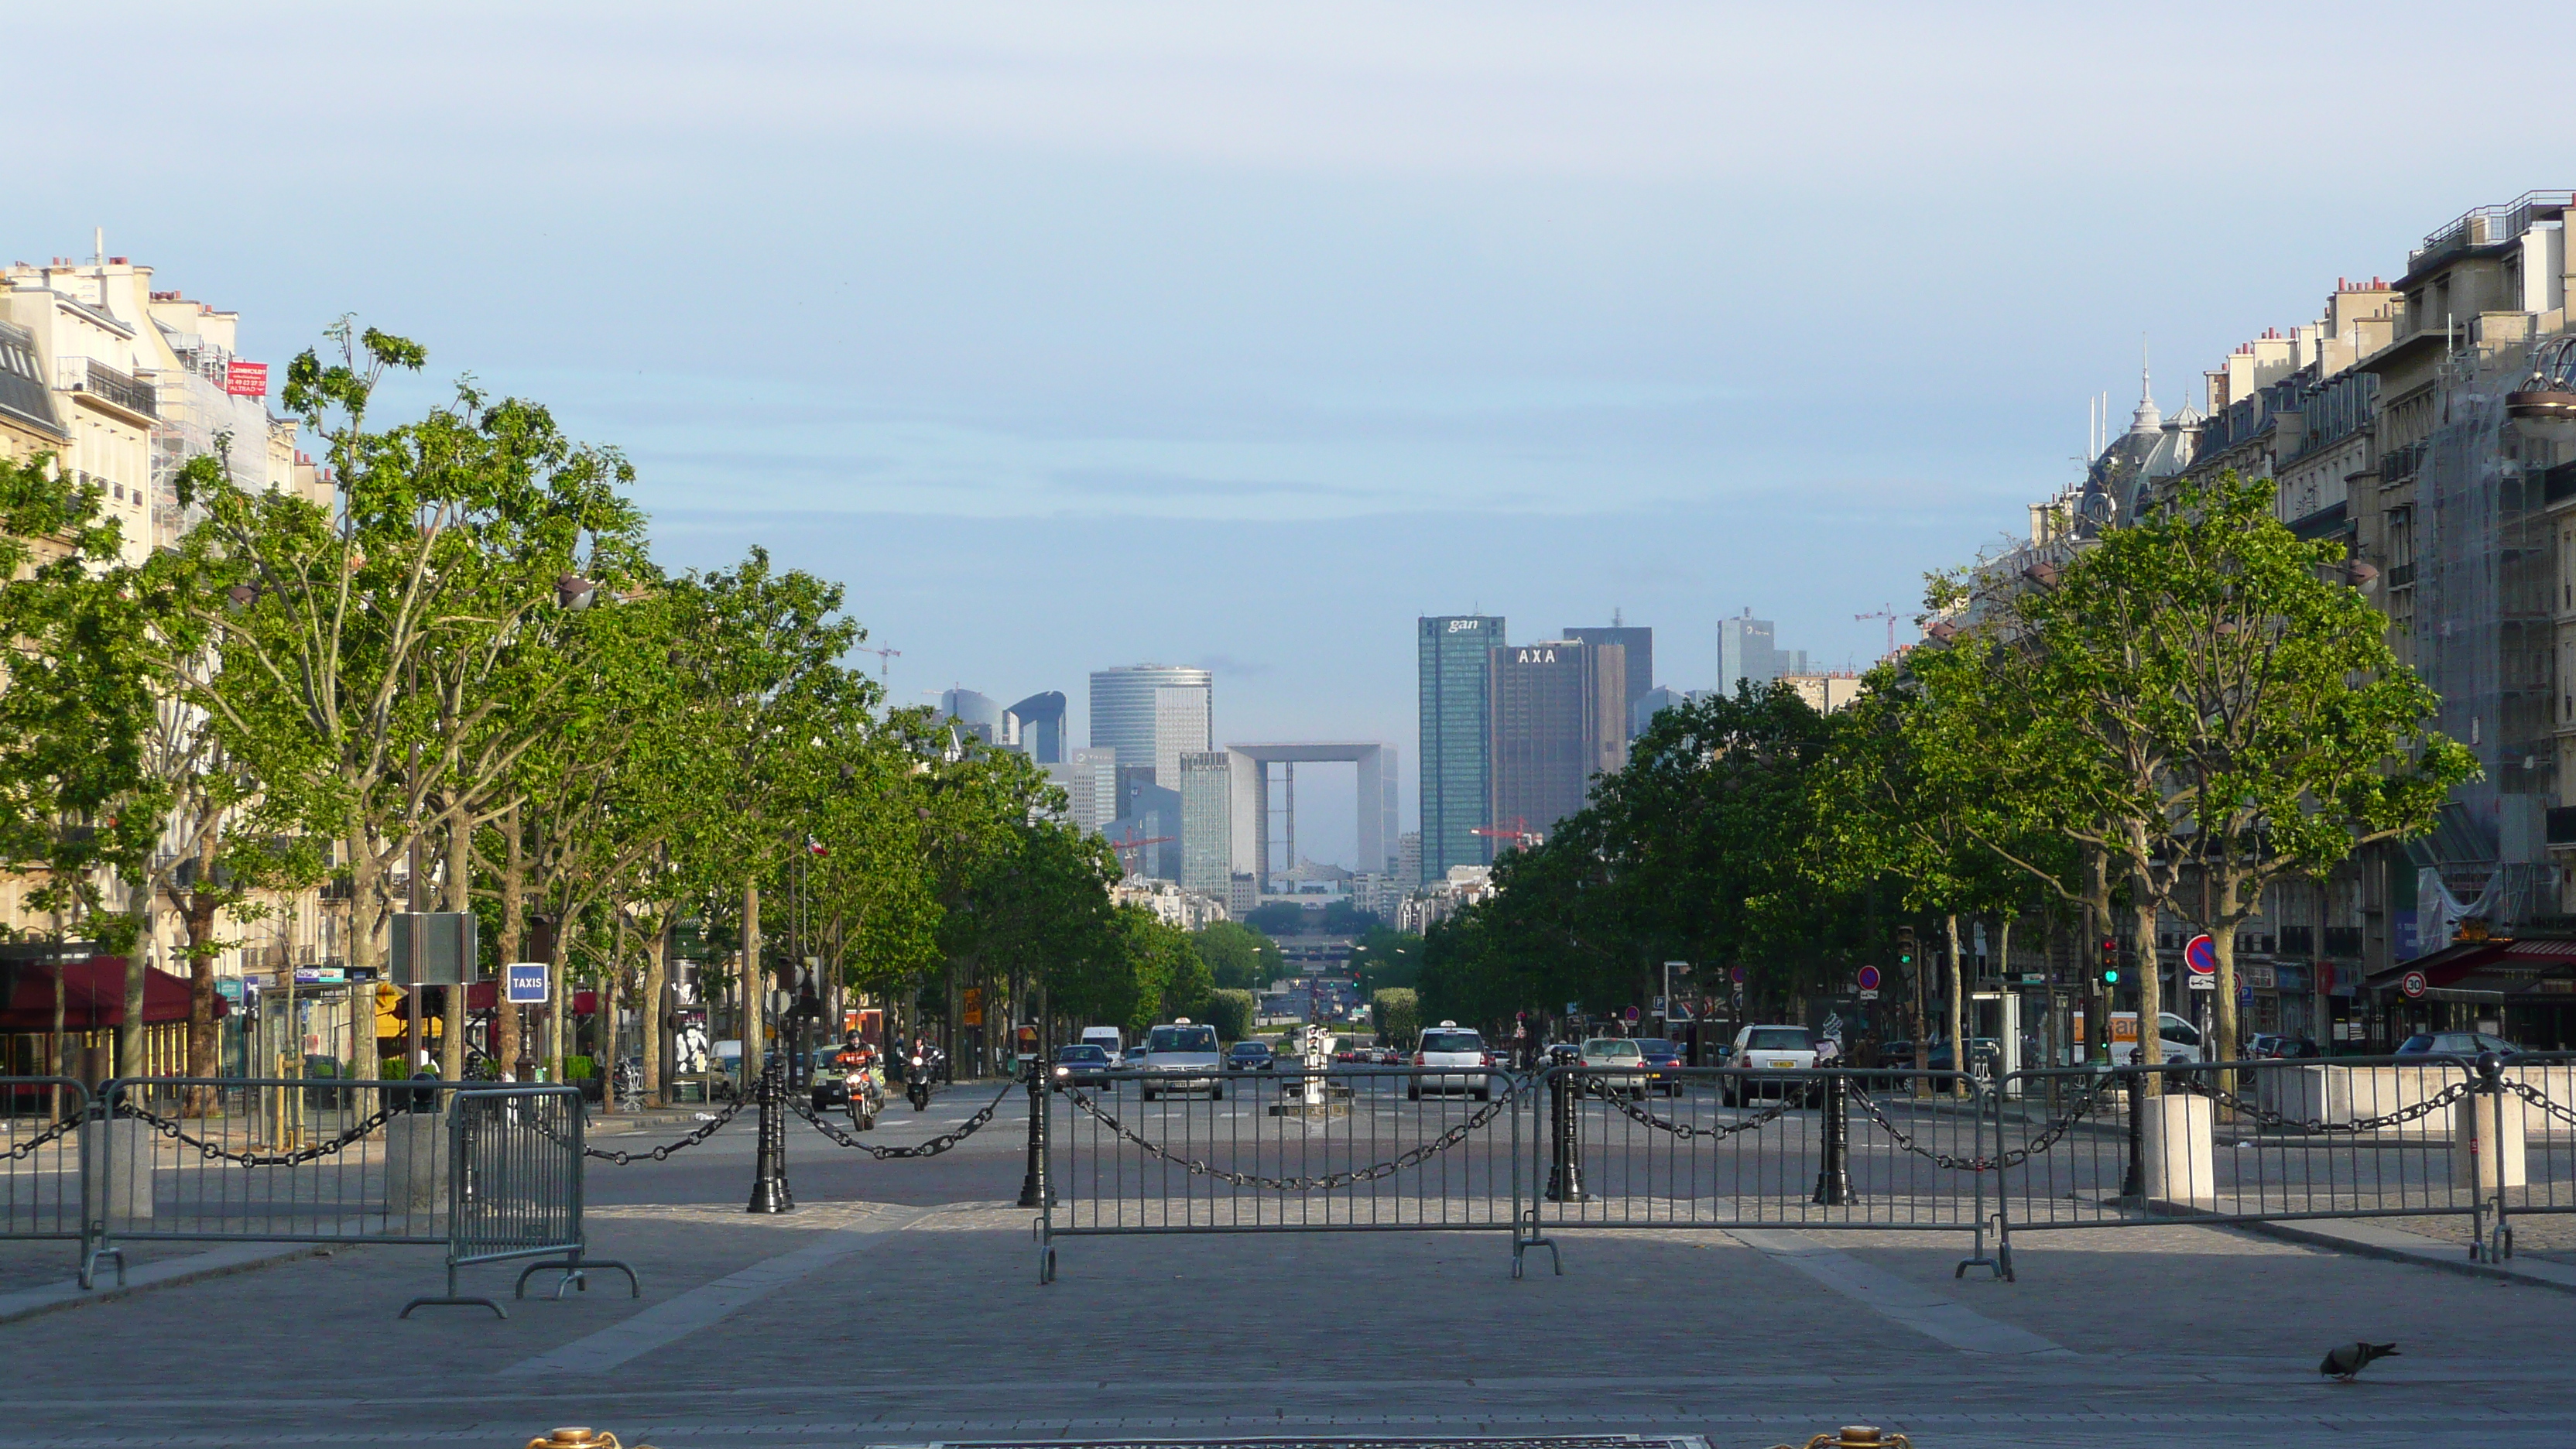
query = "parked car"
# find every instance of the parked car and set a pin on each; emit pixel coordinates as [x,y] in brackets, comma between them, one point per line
[1251,1056]
[1182,1056]
[1452,1058]
[1620,1066]
[2262,1044]
[1768,1049]
[1078,1062]
[1663,1064]
[2454,1044]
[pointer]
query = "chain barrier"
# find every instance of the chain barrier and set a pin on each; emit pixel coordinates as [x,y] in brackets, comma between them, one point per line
[2312,1126]
[51,1134]
[1683,1130]
[212,1152]
[1413,1157]
[705,1130]
[931,1148]
[2540,1099]
[2048,1137]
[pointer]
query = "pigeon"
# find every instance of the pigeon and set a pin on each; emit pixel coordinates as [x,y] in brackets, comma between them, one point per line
[2345,1362]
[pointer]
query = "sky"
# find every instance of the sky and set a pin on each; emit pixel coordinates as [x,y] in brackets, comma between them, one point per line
[1241,335]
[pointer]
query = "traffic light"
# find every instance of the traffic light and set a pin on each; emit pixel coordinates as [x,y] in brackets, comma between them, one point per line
[2110,962]
[1905,947]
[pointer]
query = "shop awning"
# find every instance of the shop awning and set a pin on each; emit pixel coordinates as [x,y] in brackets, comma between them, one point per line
[2536,972]
[93,996]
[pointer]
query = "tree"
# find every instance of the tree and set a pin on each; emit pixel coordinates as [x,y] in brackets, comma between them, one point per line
[1397,1014]
[1237,956]
[1277,918]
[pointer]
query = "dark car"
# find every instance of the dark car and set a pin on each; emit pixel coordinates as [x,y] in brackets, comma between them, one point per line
[1663,1065]
[1250,1056]
[2454,1044]
[1079,1062]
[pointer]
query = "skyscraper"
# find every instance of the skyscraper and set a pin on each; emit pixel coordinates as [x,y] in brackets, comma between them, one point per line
[1207,822]
[1638,640]
[1090,784]
[1744,651]
[975,714]
[1454,654]
[1560,717]
[1037,723]
[1152,714]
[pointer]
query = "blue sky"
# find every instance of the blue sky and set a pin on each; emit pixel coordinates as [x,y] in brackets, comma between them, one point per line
[1239,335]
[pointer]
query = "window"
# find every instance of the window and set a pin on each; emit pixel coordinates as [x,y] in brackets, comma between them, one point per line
[1452,1041]
[1779,1039]
[1183,1039]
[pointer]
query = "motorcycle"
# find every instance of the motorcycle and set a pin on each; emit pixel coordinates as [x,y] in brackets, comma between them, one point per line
[916,1083]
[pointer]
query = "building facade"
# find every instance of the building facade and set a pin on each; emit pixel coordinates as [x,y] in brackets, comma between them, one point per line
[1454,663]
[1559,717]
[1746,652]
[1638,641]
[1207,822]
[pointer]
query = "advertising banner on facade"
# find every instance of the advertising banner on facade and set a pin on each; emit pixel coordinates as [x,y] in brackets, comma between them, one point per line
[246,379]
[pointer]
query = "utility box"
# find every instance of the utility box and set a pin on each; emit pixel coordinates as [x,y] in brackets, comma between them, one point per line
[434,948]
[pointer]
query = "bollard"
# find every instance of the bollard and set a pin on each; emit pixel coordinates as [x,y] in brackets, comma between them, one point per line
[1833,1179]
[579,1438]
[1035,1190]
[1565,1175]
[769,1191]
[1851,1436]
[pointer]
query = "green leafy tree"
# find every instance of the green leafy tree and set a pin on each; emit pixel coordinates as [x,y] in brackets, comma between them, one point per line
[1238,957]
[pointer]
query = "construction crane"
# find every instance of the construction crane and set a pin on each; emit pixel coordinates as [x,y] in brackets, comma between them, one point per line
[1518,833]
[1135,844]
[883,655]
[1891,616]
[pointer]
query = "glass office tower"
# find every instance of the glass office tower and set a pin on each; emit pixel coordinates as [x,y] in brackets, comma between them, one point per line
[1457,772]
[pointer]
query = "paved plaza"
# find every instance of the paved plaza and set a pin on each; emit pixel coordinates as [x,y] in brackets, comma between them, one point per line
[900,1305]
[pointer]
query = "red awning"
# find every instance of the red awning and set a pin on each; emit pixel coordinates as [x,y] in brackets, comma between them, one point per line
[481,996]
[94,996]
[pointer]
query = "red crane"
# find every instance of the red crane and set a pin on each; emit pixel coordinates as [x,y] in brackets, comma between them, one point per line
[1518,833]
[1136,844]
[883,655]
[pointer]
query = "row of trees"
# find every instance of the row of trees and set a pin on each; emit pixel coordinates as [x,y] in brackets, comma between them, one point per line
[2173,718]
[465,684]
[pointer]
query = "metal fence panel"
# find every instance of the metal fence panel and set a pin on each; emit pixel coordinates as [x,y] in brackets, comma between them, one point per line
[269,1159]
[41,1179]
[1351,1149]
[514,1190]
[1721,1147]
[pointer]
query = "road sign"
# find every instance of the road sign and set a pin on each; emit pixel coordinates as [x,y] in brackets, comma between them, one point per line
[1633,1013]
[526,981]
[1735,974]
[1869,980]
[2412,983]
[2203,983]
[1868,994]
[1659,1007]
[2200,956]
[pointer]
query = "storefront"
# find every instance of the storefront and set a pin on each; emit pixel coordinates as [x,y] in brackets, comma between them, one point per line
[2522,990]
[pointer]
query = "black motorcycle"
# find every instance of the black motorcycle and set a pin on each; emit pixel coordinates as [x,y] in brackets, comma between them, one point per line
[916,1082]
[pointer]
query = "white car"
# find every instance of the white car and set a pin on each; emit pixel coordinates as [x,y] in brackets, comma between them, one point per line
[1183,1055]
[1764,1049]
[1454,1059]
[1618,1064]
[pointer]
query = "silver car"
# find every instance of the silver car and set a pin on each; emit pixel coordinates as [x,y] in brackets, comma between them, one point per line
[1183,1058]
[1452,1058]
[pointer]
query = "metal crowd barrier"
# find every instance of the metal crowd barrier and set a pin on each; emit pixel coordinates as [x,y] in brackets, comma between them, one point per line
[1345,1150]
[1725,1148]
[515,1190]
[40,1161]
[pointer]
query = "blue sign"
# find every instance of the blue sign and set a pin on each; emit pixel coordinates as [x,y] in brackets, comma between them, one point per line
[2201,956]
[526,981]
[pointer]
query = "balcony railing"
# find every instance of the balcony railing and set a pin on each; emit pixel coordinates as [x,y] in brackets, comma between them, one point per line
[89,375]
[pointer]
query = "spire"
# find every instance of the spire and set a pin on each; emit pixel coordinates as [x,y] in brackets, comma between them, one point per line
[2146,419]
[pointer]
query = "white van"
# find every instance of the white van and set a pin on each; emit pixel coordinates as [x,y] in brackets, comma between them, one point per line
[1108,1038]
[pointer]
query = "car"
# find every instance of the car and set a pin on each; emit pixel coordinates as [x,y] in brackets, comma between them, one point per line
[1767,1049]
[1663,1064]
[1618,1066]
[2454,1044]
[1251,1056]
[1080,1062]
[2262,1044]
[1388,1056]
[1132,1059]
[1181,1056]
[1451,1058]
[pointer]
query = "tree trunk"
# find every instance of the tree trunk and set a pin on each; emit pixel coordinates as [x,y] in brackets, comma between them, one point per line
[610,998]
[198,920]
[656,988]
[130,1032]
[1959,1057]
[558,992]
[2151,992]
[513,942]
[2222,935]
[2010,1052]
[460,898]
[754,989]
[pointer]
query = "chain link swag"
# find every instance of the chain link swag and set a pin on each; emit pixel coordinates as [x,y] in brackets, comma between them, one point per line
[931,1148]
[213,1153]
[1199,1167]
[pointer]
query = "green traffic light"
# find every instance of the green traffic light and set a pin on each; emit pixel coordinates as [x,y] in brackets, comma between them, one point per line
[2111,978]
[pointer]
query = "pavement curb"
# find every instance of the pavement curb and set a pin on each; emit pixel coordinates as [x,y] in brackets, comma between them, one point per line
[223,1262]
[2383,1244]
